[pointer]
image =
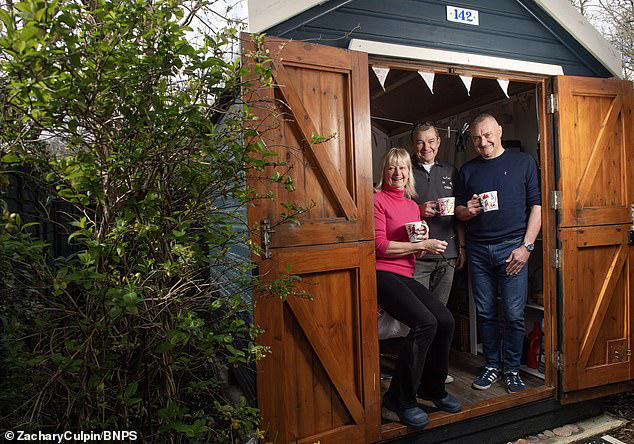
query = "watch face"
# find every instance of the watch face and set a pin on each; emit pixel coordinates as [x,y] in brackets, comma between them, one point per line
[529,246]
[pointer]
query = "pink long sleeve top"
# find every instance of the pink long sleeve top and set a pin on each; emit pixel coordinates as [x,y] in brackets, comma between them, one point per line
[392,210]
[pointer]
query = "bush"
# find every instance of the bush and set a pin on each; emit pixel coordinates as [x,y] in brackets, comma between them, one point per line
[130,125]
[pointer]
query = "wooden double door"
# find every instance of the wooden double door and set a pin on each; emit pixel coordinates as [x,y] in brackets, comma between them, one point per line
[321,382]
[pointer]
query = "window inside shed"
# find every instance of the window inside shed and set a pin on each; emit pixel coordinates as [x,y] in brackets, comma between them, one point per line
[405,98]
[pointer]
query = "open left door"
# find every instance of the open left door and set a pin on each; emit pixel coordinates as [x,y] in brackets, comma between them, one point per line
[321,380]
[594,124]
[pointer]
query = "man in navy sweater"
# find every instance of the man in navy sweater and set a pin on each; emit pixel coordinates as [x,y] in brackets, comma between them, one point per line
[499,243]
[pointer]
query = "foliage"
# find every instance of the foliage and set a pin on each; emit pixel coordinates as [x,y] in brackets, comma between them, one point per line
[131,128]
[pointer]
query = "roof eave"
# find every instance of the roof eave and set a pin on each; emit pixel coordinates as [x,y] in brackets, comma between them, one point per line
[266,14]
[567,16]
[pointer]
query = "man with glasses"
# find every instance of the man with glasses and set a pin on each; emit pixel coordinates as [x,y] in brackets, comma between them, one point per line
[499,243]
[435,179]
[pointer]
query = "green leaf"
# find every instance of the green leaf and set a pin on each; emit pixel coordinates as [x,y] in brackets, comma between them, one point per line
[10,158]
[130,390]
[72,125]
[6,19]
[30,32]
[20,45]
[164,347]
[23,6]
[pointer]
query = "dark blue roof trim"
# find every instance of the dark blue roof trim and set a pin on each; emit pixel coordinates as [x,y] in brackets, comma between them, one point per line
[516,29]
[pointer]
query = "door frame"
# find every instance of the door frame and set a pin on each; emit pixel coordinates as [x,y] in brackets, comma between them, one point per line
[549,237]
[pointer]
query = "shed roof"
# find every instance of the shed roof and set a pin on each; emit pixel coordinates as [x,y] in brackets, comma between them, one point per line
[264,14]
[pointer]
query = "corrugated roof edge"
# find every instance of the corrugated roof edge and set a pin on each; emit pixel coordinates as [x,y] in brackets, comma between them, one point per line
[264,14]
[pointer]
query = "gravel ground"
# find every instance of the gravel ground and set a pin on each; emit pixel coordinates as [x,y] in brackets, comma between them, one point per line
[621,405]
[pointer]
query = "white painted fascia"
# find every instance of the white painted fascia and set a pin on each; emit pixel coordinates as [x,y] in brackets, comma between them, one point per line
[587,35]
[452,57]
[264,14]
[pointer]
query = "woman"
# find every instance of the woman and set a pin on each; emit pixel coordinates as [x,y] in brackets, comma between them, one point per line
[423,359]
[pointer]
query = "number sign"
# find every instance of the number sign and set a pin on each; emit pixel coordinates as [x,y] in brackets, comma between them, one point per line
[462,15]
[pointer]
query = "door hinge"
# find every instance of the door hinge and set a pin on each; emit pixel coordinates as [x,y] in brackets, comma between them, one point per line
[553,103]
[265,233]
[557,258]
[630,234]
[559,360]
[555,200]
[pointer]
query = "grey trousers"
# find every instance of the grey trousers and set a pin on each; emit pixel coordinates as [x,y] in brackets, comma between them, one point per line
[437,276]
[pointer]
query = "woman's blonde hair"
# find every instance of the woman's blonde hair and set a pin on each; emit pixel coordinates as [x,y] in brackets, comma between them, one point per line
[398,156]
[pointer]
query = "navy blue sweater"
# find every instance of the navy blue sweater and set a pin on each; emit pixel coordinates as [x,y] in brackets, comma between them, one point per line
[514,176]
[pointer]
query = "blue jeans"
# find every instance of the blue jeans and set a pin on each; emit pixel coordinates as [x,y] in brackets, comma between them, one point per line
[487,268]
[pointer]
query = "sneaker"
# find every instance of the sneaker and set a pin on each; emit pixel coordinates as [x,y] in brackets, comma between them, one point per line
[413,417]
[486,378]
[513,382]
[448,379]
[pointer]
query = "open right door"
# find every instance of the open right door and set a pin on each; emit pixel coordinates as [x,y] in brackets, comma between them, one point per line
[595,133]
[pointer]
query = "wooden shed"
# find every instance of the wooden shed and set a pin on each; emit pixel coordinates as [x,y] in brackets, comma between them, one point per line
[363,70]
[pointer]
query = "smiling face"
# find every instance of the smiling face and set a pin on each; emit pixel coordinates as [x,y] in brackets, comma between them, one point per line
[426,143]
[396,175]
[486,136]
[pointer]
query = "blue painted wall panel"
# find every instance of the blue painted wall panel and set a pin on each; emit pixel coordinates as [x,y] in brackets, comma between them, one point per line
[516,29]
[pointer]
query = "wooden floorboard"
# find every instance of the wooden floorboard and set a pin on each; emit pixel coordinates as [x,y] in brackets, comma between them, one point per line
[464,367]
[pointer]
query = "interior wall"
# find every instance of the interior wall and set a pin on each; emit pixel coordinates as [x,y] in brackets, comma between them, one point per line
[380,145]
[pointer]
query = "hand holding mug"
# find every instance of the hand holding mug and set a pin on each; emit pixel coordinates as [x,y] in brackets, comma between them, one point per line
[422,232]
[474,205]
[417,231]
[428,209]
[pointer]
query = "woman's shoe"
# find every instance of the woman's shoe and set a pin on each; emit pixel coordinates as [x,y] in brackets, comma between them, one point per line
[447,404]
[413,417]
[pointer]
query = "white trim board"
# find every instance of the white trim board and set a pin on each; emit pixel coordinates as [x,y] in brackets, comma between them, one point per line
[454,58]
[264,14]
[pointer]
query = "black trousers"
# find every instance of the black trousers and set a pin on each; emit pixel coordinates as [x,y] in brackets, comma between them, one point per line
[424,355]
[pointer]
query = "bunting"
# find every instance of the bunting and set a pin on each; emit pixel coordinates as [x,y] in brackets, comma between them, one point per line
[381,75]
[504,84]
[428,77]
[467,83]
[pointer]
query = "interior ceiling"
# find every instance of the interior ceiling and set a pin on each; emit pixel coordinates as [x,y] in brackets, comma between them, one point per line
[408,99]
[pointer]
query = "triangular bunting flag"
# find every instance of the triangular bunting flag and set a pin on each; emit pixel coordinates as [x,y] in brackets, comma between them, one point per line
[467,83]
[381,74]
[504,84]
[428,77]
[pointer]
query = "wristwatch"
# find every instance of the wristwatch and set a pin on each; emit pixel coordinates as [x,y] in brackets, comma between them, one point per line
[529,246]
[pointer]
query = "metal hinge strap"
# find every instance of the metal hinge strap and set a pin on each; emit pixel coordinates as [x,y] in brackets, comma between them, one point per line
[630,233]
[265,233]
[559,360]
[552,103]
[556,200]
[557,258]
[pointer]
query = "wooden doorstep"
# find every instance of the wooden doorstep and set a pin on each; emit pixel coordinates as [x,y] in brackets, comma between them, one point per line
[395,429]
[463,367]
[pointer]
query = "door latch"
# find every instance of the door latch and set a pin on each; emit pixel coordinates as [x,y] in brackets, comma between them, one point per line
[265,238]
